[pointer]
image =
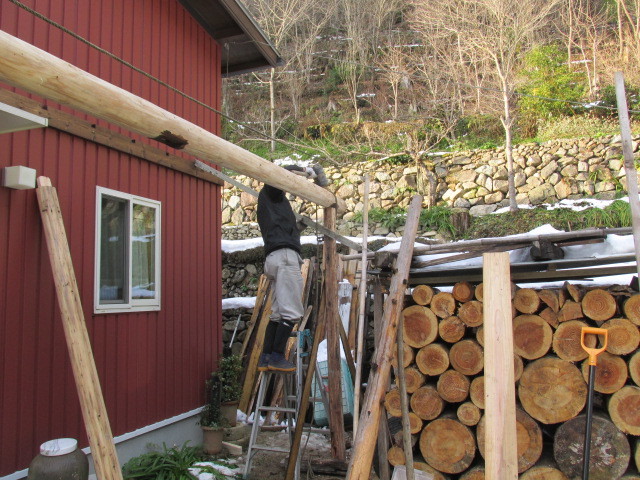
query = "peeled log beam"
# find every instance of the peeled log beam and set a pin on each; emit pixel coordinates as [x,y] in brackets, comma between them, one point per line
[433,359]
[447,445]
[526,300]
[631,309]
[422,294]
[471,313]
[466,357]
[552,390]
[570,310]
[451,329]
[550,298]
[414,379]
[420,326]
[25,66]
[609,454]
[634,368]
[453,386]
[532,336]
[598,305]
[529,438]
[624,409]
[611,373]
[426,403]
[443,304]
[468,414]
[476,392]
[463,291]
[623,336]
[566,341]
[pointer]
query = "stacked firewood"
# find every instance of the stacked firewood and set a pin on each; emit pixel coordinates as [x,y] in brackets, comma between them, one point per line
[444,363]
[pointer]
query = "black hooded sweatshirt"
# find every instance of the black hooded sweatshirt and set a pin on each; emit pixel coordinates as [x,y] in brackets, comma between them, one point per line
[277,221]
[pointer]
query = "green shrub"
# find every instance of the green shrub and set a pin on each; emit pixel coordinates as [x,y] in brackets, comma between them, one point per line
[167,464]
[230,371]
[439,219]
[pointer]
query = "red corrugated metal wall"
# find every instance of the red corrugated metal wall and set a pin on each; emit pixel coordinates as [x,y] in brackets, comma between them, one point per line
[152,365]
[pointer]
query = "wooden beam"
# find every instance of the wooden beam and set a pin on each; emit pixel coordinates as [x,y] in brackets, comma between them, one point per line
[36,71]
[94,411]
[629,163]
[365,438]
[73,125]
[336,416]
[501,455]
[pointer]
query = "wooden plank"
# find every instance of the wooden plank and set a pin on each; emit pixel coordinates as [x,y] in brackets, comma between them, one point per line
[264,289]
[94,411]
[383,430]
[336,417]
[404,402]
[365,438]
[629,164]
[501,455]
[73,125]
[25,66]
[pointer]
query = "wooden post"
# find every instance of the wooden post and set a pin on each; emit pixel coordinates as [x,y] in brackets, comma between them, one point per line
[404,403]
[365,438]
[362,295]
[629,164]
[94,411]
[336,416]
[501,456]
[36,71]
[384,471]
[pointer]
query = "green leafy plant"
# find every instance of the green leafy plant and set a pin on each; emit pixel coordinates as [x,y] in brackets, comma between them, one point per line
[210,415]
[167,464]
[230,372]
[439,219]
[391,218]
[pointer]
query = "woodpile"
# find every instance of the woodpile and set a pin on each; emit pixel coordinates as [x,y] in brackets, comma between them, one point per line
[444,366]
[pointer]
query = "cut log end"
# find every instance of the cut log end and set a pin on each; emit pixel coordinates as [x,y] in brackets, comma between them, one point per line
[532,336]
[451,329]
[422,294]
[599,305]
[447,445]
[420,326]
[526,300]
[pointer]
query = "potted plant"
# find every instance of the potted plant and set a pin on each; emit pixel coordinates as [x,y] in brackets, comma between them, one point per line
[211,420]
[230,373]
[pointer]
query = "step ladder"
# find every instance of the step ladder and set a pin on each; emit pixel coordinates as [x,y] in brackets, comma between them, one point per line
[292,389]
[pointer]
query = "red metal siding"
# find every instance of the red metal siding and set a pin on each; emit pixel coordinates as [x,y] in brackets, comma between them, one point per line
[152,365]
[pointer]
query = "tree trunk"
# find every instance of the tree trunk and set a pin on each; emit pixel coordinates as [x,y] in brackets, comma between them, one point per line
[433,359]
[414,379]
[451,329]
[529,438]
[443,304]
[476,392]
[447,445]
[624,411]
[570,310]
[463,291]
[552,390]
[420,326]
[566,341]
[632,309]
[609,452]
[471,313]
[426,403]
[532,336]
[526,300]
[467,357]
[453,386]
[422,294]
[507,123]
[598,305]
[272,108]
[623,336]
[550,298]
[611,373]
[468,414]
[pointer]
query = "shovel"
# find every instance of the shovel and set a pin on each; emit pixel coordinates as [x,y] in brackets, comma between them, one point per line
[593,360]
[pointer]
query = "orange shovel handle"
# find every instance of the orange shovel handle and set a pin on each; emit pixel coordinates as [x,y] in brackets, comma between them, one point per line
[594,352]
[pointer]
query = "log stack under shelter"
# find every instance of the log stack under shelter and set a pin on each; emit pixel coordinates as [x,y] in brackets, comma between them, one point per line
[444,365]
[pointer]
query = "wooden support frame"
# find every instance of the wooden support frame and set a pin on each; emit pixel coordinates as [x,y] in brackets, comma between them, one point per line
[94,411]
[365,438]
[36,71]
[501,454]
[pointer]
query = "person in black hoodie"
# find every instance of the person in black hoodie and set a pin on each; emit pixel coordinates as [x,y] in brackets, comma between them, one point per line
[281,237]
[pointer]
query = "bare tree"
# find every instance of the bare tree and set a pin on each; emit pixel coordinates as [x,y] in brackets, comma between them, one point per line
[500,31]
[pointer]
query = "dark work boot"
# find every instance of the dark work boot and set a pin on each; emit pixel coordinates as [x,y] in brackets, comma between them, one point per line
[263,362]
[267,346]
[277,361]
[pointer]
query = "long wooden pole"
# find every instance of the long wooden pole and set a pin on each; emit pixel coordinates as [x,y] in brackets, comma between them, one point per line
[362,297]
[365,439]
[94,411]
[629,164]
[404,402]
[34,70]
[501,454]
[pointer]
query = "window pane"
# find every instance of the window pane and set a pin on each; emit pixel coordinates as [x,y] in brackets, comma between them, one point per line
[143,252]
[113,250]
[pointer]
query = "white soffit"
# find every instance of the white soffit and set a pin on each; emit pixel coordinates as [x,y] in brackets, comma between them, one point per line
[13,119]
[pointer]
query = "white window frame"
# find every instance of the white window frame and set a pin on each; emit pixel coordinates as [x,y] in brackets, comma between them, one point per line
[130,305]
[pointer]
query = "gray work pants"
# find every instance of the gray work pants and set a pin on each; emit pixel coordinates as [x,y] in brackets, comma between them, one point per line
[282,267]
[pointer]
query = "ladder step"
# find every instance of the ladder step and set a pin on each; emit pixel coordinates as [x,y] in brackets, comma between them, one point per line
[277,409]
[271,449]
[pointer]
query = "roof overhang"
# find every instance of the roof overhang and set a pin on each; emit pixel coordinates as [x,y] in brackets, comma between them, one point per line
[245,47]
[13,119]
